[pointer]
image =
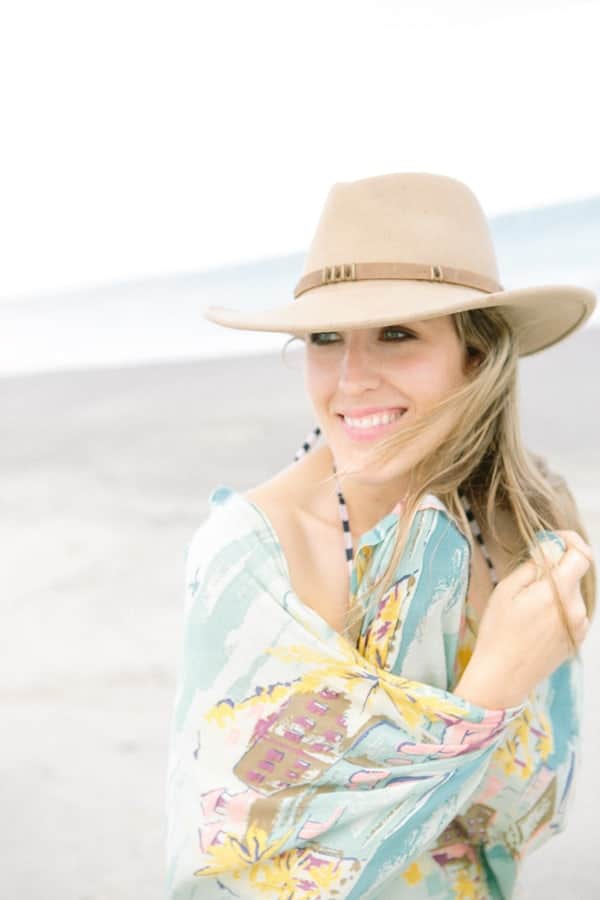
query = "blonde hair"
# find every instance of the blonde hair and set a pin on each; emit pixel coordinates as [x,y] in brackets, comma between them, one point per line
[483,456]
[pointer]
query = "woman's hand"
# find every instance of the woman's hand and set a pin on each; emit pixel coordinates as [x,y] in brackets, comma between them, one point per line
[522,636]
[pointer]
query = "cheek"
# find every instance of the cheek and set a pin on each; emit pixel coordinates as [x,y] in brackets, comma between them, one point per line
[428,378]
[318,382]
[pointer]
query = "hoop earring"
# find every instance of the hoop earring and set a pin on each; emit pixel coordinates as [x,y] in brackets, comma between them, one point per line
[284,348]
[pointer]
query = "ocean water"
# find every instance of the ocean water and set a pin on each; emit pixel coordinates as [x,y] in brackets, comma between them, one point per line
[160,319]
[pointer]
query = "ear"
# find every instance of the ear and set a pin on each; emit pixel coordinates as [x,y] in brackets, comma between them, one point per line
[474,359]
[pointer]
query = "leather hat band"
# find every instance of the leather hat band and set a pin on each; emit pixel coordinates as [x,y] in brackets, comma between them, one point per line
[411,271]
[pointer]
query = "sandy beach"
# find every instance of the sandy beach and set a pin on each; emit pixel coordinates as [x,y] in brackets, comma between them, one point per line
[105,475]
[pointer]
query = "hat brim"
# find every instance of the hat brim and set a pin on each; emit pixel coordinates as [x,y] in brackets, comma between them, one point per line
[540,316]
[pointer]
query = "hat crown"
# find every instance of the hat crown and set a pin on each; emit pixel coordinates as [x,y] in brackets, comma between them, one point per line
[410,246]
[408,217]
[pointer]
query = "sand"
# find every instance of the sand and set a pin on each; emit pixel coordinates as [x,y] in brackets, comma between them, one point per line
[104,477]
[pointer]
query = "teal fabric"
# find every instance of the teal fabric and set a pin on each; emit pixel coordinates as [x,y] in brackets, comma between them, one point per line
[303,766]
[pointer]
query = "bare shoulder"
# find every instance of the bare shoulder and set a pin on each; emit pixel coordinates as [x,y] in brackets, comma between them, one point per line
[282,499]
[291,502]
[276,496]
[310,537]
[289,492]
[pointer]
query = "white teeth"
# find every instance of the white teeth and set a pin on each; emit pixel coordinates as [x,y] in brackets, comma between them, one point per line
[372,421]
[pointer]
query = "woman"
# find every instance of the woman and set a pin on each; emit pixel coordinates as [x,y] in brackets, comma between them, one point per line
[380,691]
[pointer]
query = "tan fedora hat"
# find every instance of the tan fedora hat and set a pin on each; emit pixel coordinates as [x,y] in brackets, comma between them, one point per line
[410,245]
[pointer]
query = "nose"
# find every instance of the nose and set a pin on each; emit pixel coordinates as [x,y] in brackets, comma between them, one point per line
[358,370]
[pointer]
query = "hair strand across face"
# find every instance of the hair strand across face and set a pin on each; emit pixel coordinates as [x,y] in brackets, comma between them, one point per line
[483,455]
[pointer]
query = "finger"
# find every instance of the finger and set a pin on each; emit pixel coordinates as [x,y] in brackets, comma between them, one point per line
[573,565]
[550,550]
[521,577]
[575,608]
[573,539]
[570,564]
[584,629]
[580,630]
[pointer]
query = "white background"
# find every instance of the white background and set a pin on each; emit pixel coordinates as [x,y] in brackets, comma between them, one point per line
[153,138]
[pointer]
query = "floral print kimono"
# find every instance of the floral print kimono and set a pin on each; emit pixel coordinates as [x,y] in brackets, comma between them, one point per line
[306,767]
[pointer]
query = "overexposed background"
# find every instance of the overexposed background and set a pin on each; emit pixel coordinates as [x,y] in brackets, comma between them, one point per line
[153,138]
[158,157]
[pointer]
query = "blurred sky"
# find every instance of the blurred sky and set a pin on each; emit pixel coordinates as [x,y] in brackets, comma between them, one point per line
[153,138]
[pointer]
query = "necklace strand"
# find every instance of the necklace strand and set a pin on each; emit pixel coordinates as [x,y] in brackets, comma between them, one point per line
[307,445]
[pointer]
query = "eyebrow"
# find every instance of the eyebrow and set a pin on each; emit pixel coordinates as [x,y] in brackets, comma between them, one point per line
[416,323]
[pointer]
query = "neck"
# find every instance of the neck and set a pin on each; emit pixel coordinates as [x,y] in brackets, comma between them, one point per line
[366,502]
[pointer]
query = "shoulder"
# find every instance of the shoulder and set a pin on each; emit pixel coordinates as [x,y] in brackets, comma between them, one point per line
[231,542]
[279,503]
[558,484]
[292,498]
[559,505]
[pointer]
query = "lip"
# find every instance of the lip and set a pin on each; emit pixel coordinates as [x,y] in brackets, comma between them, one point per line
[368,434]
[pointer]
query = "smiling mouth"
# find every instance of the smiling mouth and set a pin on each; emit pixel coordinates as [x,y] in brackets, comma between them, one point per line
[370,427]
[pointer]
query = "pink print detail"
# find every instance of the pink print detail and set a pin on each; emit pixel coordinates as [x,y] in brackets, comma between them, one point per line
[459,738]
[262,727]
[314,862]
[329,694]
[274,755]
[208,834]
[306,723]
[255,776]
[490,789]
[223,811]
[234,806]
[312,829]
[456,851]
[383,629]
[233,736]
[210,802]
[368,777]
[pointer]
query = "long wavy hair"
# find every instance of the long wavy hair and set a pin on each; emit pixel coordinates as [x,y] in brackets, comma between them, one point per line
[483,456]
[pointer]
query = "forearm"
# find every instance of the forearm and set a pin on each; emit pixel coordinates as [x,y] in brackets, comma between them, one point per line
[482,686]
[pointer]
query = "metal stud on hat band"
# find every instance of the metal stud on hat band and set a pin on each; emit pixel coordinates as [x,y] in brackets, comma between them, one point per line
[410,271]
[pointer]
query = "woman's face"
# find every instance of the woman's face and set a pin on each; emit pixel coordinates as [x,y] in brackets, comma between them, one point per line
[397,371]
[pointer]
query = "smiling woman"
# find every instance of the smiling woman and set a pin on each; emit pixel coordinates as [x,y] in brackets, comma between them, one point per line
[405,372]
[381,682]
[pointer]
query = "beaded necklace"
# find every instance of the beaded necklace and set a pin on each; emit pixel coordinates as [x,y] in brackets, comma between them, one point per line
[307,445]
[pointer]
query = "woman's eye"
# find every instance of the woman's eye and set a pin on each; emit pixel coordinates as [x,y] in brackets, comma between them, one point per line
[401,331]
[329,337]
[322,337]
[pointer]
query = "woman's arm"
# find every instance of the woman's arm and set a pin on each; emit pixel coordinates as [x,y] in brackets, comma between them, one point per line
[542,745]
[528,788]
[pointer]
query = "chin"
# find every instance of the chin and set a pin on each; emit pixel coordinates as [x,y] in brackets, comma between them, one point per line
[372,473]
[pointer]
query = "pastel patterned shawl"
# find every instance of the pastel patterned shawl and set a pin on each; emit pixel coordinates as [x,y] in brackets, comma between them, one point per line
[303,767]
